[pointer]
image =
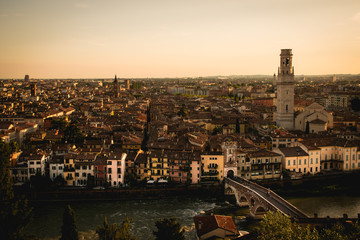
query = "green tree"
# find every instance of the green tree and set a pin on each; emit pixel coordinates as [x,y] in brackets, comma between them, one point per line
[15,214]
[169,228]
[115,232]
[72,134]
[182,112]
[341,231]
[237,129]
[59,124]
[355,104]
[68,229]
[276,226]
[307,130]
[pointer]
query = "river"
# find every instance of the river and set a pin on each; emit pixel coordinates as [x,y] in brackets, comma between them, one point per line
[47,219]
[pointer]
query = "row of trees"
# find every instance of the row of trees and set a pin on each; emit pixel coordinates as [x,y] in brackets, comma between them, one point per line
[15,213]
[276,226]
[167,228]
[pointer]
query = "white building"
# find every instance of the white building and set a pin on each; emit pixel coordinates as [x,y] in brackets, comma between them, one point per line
[36,165]
[84,168]
[315,117]
[56,167]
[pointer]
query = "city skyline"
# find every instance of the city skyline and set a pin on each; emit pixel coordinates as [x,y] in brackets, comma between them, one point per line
[140,39]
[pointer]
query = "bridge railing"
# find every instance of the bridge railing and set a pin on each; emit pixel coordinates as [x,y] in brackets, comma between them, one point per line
[257,194]
[272,194]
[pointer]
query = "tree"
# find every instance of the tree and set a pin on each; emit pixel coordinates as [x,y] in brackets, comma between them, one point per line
[15,213]
[169,228]
[72,134]
[341,231]
[182,112]
[59,124]
[307,130]
[115,232]
[237,129]
[68,229]
[275,225]
[355,104]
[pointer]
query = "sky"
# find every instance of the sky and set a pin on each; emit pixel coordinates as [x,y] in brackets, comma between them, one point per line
[176,38]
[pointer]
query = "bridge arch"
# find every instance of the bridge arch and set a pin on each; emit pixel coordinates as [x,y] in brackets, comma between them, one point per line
[243,199]
[260,210]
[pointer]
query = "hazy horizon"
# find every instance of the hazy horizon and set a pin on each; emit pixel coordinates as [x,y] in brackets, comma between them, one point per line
[176,39]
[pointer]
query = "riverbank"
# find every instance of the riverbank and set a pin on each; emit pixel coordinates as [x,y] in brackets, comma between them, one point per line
[79,194]
[337,183]
[330,184]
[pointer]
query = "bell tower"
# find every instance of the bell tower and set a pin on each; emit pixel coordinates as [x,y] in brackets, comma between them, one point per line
[285,85]
[116,87]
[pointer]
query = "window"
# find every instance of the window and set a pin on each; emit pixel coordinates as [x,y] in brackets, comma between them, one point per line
[305,161]
[294,162]
[53,167]
[109,170]
[119,170]
[317,161]
[288,162]
[84,174]
[38,162]
[76,174]
[299,161]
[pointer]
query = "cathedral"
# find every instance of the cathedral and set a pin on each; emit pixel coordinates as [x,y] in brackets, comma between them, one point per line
[313,119]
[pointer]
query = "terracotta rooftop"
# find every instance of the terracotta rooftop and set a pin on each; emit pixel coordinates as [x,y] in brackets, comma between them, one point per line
[206,224]
[293,152]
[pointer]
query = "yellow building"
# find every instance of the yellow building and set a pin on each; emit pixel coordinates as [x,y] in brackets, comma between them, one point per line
[141,167]
[69,169]
[158,165]
[258,164]
[212,167]
[295,159]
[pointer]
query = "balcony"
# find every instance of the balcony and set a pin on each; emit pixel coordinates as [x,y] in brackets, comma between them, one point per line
[210,173]
[212,166]
[184,168]
[71,169]
[69,177]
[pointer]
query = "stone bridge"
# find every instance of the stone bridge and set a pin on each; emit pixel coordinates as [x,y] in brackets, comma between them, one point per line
[259,199]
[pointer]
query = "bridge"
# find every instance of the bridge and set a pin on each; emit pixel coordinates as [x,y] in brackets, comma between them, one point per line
[259,199]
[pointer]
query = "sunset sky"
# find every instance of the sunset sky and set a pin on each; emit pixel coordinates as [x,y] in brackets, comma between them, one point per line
[182,38]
